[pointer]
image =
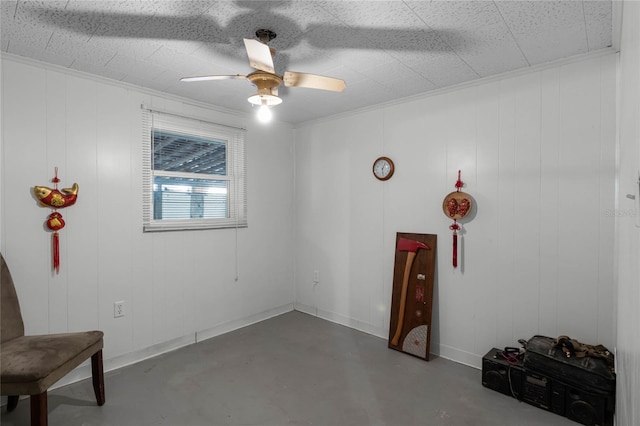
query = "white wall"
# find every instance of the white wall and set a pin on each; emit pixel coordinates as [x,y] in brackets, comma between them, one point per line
[628,214]
[537,153]
[174,284]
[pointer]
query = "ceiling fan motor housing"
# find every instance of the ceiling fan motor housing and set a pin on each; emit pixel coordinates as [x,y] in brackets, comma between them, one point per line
[265,36]
[267,85]
[266,80]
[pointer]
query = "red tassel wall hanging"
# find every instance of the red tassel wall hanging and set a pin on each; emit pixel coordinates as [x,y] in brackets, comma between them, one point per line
[55,199]
[456,205]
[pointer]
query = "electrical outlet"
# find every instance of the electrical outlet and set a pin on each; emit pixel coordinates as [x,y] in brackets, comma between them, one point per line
[316,276]
[118,309]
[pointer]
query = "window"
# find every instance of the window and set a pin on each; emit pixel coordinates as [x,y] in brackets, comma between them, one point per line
[193,174]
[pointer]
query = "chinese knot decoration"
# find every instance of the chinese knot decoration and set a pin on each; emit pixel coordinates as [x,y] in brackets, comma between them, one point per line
[456,205]
[55,199]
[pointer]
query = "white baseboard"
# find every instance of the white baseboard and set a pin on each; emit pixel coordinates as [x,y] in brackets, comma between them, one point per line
[84,371]
[363,326]
[457,355]
[232,325]
[112,364]
[443,351]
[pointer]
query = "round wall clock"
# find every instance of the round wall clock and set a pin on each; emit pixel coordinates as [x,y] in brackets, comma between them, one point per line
[383,168]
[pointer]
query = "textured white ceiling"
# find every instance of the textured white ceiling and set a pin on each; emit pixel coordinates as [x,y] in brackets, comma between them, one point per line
[384,50]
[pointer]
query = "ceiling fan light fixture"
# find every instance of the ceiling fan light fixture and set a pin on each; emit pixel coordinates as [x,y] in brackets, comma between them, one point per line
[267,81]
[263,99]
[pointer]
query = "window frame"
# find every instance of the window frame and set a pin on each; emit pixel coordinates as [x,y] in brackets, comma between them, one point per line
[233,137]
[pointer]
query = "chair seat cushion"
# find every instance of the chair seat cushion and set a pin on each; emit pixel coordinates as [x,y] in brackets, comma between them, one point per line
[33,358]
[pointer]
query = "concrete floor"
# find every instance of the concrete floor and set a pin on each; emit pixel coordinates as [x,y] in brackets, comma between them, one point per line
[294,369]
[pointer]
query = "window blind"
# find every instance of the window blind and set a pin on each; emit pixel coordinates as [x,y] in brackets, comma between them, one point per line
[194,173]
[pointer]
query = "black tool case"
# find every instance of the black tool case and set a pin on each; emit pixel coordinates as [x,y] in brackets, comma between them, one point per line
[587,373]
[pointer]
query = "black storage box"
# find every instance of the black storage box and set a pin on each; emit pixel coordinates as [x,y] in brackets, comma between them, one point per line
[500,375]
[547,379]
[589,409]
[588,373]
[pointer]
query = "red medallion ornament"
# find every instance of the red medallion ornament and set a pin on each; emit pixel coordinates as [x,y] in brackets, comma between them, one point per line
[456,205]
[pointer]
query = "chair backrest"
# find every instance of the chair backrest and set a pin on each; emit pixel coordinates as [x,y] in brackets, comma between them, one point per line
[10,316]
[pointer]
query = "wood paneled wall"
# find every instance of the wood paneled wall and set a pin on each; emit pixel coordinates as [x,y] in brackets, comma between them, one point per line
[537,153]
[536,150]
[175,285]
[627,213]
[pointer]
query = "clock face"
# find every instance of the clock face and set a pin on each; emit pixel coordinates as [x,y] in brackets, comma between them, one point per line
[383,168]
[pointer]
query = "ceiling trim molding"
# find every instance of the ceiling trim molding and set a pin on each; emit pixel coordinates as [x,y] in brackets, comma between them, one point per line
[509,74]
[616,23]
[243,115]
[144,90]
[112,82]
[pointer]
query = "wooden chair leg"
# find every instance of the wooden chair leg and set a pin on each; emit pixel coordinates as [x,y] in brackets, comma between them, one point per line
[12,402]
[39,414]
[97,376]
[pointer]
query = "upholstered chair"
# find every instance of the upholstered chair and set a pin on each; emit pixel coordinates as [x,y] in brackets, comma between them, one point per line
[29,365]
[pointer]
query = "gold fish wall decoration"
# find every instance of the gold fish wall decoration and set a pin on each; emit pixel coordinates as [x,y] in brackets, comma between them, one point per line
[56,199]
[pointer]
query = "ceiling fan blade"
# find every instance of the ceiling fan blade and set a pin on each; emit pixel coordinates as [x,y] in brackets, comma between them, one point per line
[259,55]
[300,79]
[215,77]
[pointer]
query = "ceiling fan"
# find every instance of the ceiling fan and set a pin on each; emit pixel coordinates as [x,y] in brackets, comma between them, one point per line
[266,80]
